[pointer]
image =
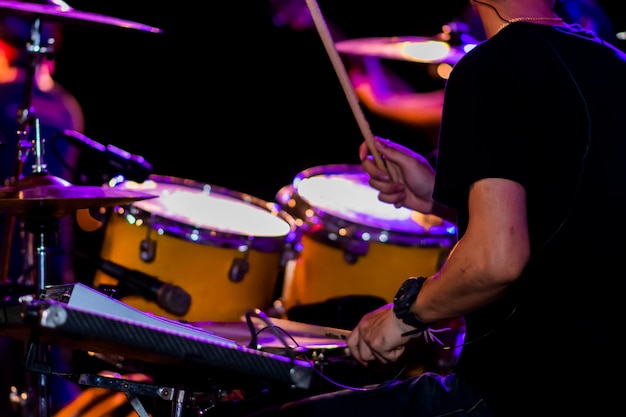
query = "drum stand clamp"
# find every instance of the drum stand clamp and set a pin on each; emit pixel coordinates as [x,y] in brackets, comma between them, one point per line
[132,389]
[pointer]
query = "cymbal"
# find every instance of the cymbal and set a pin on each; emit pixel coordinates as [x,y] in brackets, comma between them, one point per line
[67,14]
[52,197]
[406,48]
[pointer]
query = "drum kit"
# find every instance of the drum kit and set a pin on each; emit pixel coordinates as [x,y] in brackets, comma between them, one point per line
[324,237]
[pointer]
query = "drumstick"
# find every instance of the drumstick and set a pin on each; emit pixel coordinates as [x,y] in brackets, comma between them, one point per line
[299,329]
[348,89]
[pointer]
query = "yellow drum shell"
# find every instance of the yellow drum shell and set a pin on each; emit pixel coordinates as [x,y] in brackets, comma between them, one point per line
[321,272]
[352,243]
[196,251]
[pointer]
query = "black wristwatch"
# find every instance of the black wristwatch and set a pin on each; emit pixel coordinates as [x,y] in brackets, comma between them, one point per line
[405,297]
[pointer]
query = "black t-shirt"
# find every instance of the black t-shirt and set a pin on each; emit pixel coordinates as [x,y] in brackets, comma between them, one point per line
[543,106]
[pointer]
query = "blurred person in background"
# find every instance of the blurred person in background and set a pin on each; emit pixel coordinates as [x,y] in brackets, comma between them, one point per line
[56,109]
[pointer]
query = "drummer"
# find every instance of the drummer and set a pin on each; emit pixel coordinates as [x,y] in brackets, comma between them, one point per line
[421,110]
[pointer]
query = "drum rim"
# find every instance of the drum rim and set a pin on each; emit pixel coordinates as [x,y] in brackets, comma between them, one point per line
[327,226]
[212,236]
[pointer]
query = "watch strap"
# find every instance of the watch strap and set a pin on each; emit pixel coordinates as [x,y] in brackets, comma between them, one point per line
[405,297]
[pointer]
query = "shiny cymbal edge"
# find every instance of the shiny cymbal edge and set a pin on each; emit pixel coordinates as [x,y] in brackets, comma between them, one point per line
[65,14]
[49,196]
[406,48]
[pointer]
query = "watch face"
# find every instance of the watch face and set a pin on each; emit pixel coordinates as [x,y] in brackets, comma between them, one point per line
[405,297]
[410,287]
[400,294]
[405,292]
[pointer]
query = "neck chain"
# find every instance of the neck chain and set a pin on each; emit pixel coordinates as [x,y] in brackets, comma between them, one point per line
[530,19]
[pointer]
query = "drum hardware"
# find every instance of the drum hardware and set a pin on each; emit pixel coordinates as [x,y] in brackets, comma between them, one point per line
[148,247]
[353,247]
[139,387]
[39,200]
[98,401]
[27,123]
[134,389]
[292,249]
[239,268]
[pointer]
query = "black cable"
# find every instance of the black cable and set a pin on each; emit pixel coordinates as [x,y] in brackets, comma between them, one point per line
[280,333]
[291,352]
[494,9]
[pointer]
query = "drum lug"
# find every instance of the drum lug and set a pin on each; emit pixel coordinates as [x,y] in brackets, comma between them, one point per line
[354,249]
[350,257]
[289,253]
[238,269]
[147,250]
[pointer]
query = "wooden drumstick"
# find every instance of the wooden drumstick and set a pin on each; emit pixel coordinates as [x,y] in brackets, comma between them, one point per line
[344,79]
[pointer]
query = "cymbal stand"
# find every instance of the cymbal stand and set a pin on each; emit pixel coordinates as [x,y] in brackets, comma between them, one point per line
[26,120]
[42,229]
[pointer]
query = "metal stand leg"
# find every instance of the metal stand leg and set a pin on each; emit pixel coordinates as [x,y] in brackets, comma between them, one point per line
[178,404]
[181,400]
[137,405]
[37,361]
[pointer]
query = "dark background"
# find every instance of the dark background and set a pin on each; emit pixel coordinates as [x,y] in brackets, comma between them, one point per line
[223,96]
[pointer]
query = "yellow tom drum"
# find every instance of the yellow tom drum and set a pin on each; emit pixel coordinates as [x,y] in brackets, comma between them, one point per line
[351,242]
[225,248]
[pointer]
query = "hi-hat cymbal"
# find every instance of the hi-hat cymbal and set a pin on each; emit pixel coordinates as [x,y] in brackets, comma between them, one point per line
[51,197]
[406,48]
[66,14]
